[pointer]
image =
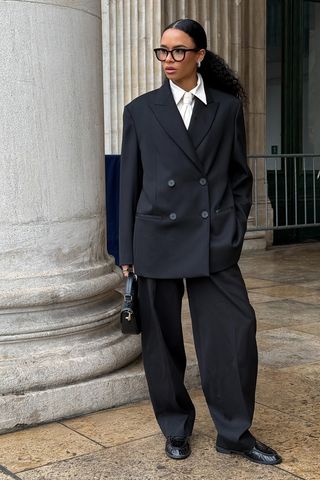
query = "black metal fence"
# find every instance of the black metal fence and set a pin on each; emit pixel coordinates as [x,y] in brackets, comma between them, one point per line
[286,191]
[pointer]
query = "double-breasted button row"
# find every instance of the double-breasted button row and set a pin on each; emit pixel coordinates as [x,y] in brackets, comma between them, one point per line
[202,181]
[204,214]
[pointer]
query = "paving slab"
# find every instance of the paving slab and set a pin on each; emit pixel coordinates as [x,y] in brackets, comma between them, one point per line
[284,347]
[145,460]
[37,446]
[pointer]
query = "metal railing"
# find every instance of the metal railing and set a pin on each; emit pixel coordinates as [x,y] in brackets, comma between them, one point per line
[286,191]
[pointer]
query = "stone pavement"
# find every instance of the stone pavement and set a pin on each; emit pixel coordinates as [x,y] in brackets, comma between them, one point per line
[125,444]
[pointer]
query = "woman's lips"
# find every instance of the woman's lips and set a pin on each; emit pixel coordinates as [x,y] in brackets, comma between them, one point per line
[170,70]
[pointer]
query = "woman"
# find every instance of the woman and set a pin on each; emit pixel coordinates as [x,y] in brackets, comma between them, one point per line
[185,197]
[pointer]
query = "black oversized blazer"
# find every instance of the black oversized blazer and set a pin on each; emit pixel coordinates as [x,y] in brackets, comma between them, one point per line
[185,195]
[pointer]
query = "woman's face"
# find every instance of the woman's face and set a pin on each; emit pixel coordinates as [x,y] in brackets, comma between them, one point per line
[184,71]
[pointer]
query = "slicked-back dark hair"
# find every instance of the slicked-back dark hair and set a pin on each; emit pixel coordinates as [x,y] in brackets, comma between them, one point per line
[215,71]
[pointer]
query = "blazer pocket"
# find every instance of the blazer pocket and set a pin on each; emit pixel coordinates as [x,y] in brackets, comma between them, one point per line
[218,211]
[145,216]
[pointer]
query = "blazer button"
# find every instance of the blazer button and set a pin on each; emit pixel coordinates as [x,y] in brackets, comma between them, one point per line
[172,216]
[203,181]
[171,183]
[204,214]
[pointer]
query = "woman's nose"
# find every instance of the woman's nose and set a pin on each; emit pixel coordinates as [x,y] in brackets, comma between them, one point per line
[169,58]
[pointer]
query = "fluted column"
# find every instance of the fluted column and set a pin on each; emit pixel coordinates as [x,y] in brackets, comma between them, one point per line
[131,29]
[59,312]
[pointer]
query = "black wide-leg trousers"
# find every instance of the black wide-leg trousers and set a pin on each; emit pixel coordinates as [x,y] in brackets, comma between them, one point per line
[224,330]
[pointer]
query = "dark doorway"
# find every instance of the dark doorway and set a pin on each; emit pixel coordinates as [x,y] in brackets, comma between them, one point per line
[293,112]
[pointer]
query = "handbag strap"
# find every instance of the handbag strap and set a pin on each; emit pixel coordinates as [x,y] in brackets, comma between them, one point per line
[132,277]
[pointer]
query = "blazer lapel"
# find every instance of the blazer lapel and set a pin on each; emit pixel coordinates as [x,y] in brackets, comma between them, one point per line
[168,115]
[202,118]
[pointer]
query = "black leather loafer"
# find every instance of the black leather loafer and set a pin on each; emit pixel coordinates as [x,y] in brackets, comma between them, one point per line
[178,448]
[259,453]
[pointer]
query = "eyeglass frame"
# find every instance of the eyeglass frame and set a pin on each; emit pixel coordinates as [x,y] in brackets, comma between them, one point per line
[171,51]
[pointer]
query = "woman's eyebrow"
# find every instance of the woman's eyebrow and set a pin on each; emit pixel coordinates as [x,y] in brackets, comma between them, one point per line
[176,46]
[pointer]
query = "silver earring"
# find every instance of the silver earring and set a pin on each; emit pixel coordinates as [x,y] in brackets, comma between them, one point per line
[199,64]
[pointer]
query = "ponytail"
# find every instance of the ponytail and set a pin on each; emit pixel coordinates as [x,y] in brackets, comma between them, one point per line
[217,74]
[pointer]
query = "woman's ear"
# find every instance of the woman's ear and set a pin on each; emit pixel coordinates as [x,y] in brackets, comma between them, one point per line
[202,54]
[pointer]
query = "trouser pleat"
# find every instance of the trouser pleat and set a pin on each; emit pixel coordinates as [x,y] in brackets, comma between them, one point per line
[164,355]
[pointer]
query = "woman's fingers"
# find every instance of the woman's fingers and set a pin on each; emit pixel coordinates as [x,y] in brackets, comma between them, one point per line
[126,269]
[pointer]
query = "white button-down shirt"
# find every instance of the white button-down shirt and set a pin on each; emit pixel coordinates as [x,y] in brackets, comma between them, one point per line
[185,108]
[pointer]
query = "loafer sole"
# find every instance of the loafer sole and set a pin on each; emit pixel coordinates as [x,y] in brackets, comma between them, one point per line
[180,457]
[243,454]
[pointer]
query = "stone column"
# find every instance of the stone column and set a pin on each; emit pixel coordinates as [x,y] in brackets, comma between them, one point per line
[253,73]
[59,312]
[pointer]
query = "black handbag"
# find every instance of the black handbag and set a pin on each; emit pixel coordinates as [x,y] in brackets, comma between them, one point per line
[129,316]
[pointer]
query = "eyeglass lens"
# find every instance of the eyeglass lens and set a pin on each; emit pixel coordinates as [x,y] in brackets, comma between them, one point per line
[177,54]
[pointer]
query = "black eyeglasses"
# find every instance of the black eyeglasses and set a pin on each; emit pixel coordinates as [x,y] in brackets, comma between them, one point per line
[178,54]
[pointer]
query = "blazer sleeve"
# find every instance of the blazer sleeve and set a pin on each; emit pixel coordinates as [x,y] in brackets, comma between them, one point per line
[130,187]
[240,173]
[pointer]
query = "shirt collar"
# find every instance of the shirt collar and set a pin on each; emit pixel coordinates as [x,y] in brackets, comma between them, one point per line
[198,91]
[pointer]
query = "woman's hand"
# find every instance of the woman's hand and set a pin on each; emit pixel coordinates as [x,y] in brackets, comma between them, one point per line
[126,269]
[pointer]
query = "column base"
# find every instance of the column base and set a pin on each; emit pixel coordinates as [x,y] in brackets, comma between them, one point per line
[56,358]
[124,386]
[255,241]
